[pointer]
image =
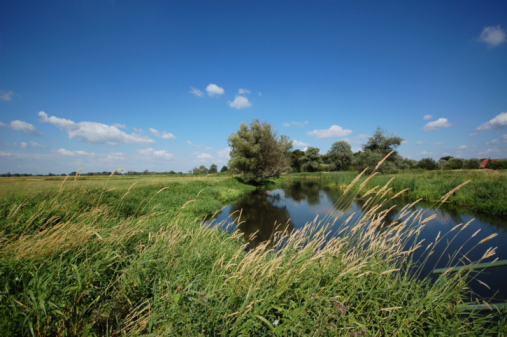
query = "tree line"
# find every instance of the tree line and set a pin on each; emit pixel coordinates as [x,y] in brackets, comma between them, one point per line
[257,153]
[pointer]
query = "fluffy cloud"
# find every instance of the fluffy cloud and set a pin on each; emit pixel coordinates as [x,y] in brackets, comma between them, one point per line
[22,126]
[240,102]
[501,140]
[428,117]
[224,155]
[335,131]
[163,135]
[438,124]
[420,142]
[197,92]
[213,89]
[161,154]
[242,91]
[499,122]
[93,132]
[492,36]
[6,95]
[298,143]
[462,147]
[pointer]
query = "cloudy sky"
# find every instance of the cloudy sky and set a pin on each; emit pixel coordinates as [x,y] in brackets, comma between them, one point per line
[160,85]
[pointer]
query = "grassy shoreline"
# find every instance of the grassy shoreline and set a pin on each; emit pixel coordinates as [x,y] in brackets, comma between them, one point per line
[138,260]
[485,192]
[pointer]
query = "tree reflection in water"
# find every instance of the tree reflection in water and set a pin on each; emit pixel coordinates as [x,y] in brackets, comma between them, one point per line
[266,215]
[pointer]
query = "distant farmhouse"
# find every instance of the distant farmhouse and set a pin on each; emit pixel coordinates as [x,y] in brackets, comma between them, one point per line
[486,161]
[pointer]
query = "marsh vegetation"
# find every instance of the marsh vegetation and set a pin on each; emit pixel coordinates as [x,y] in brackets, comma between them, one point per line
[118,258]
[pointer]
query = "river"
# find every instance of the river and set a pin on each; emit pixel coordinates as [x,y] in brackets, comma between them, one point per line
[301,202]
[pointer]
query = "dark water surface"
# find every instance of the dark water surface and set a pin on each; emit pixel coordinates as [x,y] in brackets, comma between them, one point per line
[269,211]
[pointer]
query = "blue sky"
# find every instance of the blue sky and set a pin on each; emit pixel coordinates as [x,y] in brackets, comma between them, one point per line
[160,85]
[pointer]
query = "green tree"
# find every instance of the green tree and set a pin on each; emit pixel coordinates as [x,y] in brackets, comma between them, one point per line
[340,155]
[381,144]
[473,164]
[377,147]
[213,169]
[224,169]
[295,164]
[257,153]
[427,164]
[311,161]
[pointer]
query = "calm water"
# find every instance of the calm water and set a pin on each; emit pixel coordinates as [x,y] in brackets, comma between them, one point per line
[268,211]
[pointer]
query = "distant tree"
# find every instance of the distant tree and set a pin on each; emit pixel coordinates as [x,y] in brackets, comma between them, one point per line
[382,144]
[311,161]
[213,169]
[427,164]
[473,164]
[340,156]
[257,153]
[497,165]
[455,164]
[224,169]
[375,150]
[295,164]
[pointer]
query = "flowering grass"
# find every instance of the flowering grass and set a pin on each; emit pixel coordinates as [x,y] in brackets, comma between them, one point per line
[141,261]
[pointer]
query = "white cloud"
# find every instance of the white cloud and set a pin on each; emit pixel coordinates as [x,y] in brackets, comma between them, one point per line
[438,124]
[501,140]
[214,89]
[428,117]
[300,124]
[243,91]
[120,126]
[196,92]
[93,132]
[161,154]
[473,134]
[334,131]
[298,143]
[224,155]
[6,95]
[163,135]
[65,152]
[488,152]
[420,142]
[23,145]
[499,122]
[462,147]
[439,143]
[240,102]
[492,36]
[22,126]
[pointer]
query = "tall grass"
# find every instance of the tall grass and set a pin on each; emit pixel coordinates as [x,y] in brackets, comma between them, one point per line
[486,192]
[141,261]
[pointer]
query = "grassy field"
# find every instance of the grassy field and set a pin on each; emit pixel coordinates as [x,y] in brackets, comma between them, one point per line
[109,257]
[486,190]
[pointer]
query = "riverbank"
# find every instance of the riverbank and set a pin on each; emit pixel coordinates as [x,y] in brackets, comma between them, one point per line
[138,260]
[486,190]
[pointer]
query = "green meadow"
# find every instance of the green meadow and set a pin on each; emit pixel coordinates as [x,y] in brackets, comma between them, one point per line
[131,256]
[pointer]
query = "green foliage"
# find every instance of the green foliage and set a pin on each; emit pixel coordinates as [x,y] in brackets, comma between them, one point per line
[295,163]
[427,164]
[473,164]
[382,144]
[497,165]
[311,161]
[213,168]
[340,156]
[224,169]
[257,153]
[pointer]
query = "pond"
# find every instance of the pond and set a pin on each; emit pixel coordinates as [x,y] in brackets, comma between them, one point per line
[292,207]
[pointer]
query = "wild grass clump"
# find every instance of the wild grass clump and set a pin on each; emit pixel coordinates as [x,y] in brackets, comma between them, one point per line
[77,263]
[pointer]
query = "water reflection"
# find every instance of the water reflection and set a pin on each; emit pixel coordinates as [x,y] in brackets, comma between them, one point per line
[264,213]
